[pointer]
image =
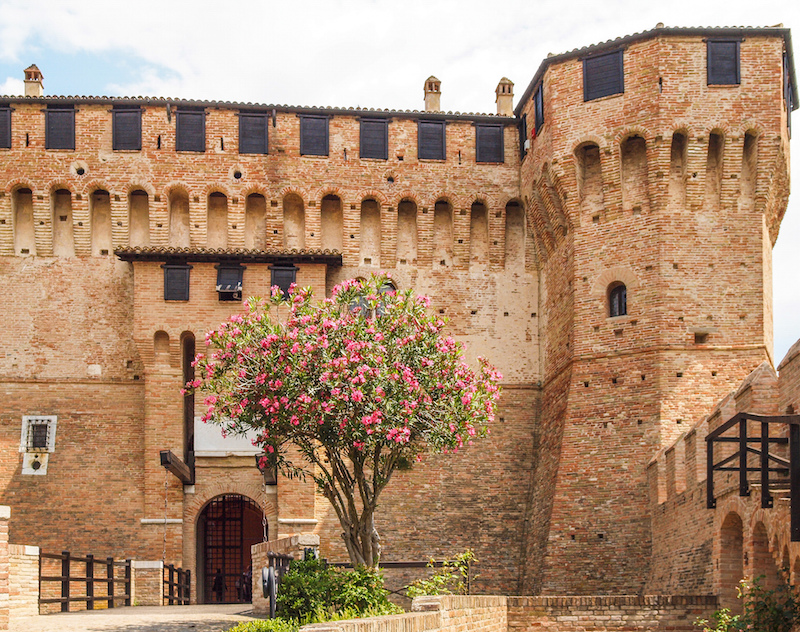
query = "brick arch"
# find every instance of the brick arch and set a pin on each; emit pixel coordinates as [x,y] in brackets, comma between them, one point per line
[19,183]
[406,195]
[96,185]
[482,198]
[451,199]
[57,185]
[506,200]
[256,188]
[629,132]
[303,195]
[751,127]
[321,192]
[618,273]
[148,188]
[365,194]
[249,490]
[717,128]
[682,127]
[177,186]
[215,187]
[586,140]
[731,557]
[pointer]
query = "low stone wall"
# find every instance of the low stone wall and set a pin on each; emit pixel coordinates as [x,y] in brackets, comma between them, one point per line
[633,613]
[448,613]
[294,545]
[147,583]
[24,580]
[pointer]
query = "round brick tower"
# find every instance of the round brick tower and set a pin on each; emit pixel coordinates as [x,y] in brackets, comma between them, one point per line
[655,179]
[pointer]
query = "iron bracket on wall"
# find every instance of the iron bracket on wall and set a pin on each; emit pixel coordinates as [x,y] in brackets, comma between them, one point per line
[787,470]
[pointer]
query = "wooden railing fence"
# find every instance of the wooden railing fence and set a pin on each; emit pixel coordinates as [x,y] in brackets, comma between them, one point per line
[177,585]
[81,570]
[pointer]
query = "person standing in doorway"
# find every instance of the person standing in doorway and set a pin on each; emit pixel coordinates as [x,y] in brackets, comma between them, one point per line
[219,585]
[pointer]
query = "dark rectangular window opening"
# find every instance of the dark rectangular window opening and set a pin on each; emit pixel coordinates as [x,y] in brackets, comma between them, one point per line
[313,135]
[127,128]
[723,62]
[229,282]
[374,139]
[489,143]
[538,108]
[59,130]
[253,133]
[522,126]
[5,128]
[603,75]
[176,282]
[38,435]
[190,130]
[283,277]
[431,140]
[788,94]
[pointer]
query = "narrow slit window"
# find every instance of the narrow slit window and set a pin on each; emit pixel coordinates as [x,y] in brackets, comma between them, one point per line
[5,128]
[538,108]
[617,300]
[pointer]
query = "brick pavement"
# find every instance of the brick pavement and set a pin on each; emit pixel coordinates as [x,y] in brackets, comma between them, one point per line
[205,618]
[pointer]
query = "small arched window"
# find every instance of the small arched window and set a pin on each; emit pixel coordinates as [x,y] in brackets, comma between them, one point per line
[617,300]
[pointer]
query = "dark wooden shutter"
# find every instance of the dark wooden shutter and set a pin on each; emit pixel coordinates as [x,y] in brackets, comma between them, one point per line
[788,95]
[489,143]
[523,135]
[283,277]
[5,128]
[190,131]
[603,76]
[313,135]
[431,140]
[374,139]
[253,133]
[127,129]
[60,128]
[538,109]
[723,62]
[176,282]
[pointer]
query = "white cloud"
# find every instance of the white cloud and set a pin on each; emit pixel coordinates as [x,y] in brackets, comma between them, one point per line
[12,86]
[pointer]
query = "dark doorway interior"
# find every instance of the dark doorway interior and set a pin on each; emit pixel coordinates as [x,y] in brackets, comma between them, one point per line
[228,526]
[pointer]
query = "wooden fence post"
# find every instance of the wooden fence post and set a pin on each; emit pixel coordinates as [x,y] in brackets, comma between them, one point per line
[65,581]
[110,580]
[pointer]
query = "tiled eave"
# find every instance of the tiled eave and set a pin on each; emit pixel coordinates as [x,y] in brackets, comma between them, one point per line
[242,255]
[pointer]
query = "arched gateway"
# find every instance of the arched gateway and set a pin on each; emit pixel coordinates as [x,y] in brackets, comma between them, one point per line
[226,529]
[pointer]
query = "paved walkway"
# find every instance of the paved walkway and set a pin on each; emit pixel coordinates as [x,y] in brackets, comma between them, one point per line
[207,618]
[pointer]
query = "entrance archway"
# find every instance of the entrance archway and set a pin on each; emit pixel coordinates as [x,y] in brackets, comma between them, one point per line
[226,529]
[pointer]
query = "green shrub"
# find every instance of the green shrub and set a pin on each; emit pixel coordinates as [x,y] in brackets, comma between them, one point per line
[452,578]
[312,592]
[763,610]
[266,625]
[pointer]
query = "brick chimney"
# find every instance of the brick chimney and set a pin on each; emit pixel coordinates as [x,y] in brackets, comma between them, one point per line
[505,97]
[33,81]
[433,92]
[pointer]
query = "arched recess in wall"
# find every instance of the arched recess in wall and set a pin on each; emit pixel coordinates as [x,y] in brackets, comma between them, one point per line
[590,178]
[749,170]
[179,235]
[255,221]
[515,236]
[24,233]
[332,222]
[763,562]
[442,233]
[294,222]
[634,174]
[731,562]
[407,232]
[217,235]
[161,348]
[786,564]
[139,215]
[63,241]
[370,247]
[677,171]
[187,367]
[714,165]
[100,212]
[478,235]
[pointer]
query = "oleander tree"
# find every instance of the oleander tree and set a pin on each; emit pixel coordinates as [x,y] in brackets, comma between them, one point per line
[359,384]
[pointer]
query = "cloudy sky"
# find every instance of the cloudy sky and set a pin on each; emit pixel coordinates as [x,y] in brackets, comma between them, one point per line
[370,53]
